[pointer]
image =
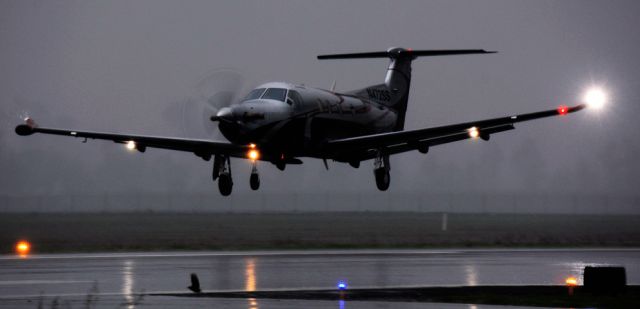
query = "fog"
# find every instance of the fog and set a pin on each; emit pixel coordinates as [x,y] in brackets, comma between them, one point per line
[126,66]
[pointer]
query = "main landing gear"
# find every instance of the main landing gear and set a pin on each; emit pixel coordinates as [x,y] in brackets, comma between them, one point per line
[381,171]
[222,172]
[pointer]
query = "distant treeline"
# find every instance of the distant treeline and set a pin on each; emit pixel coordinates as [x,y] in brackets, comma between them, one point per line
[264,202]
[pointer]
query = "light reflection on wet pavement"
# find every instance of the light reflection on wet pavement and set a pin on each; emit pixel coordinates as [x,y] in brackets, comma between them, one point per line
[116,280]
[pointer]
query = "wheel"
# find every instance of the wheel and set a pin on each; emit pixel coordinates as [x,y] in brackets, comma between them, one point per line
[225,184]
[254,181]
[383,179]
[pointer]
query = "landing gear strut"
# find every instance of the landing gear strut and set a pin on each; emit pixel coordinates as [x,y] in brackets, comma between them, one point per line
[381,171]
[254,179]
[222,172]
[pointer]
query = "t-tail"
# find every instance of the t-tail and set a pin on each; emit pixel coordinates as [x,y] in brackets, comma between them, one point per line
[394,92]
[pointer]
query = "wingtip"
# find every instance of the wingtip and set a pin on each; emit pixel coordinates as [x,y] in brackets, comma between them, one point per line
[578,108]
[24,130]
[27,128]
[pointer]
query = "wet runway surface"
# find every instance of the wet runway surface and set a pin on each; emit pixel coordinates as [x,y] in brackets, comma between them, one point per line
[117,280]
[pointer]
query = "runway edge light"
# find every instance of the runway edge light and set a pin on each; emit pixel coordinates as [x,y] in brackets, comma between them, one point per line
[23,248]
[571,282]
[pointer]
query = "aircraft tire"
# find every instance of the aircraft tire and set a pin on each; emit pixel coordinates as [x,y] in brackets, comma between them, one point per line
[254,181]
[383,178]
[225,184]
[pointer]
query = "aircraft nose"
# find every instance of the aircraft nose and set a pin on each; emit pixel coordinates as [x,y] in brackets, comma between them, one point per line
[224,113]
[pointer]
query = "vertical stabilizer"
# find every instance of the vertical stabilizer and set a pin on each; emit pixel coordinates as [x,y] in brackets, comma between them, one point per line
[394,93]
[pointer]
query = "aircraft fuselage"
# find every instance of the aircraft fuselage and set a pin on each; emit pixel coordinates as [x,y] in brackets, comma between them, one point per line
[308,117]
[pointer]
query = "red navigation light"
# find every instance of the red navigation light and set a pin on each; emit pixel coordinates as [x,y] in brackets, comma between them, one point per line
[562,110]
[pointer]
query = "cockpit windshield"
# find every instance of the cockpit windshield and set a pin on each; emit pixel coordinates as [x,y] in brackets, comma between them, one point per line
[254,94]
[268,94]
[275,94]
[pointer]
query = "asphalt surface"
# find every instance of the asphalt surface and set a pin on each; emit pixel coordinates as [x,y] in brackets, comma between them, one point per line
[124,280]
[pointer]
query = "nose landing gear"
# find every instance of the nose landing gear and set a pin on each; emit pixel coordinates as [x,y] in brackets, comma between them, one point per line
[381,172]
[254,179]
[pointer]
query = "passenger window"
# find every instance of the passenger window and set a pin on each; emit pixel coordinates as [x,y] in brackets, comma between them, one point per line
[275,94]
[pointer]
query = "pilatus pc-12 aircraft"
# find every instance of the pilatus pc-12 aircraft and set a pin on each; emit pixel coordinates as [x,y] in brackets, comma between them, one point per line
[280,123]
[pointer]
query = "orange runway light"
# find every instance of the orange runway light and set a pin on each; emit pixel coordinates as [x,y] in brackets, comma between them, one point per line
[571,283]
[22,248]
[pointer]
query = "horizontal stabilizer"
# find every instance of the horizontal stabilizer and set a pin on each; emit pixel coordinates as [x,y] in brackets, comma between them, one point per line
[401,52]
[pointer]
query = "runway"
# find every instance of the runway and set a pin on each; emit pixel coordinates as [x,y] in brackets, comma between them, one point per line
[111,280]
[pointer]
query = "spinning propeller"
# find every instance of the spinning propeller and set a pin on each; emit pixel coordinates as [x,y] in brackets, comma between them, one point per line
[212,95]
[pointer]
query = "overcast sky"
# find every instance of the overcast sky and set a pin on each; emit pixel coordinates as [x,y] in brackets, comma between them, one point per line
[125,66]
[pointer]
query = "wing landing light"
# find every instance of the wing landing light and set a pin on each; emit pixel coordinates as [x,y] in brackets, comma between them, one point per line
[366,147]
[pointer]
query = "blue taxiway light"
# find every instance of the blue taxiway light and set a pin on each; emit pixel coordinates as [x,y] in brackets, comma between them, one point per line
[342,285]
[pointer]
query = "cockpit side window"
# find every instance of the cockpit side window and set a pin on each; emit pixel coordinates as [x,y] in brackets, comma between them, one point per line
[254,94]
[293,97]
[275,94]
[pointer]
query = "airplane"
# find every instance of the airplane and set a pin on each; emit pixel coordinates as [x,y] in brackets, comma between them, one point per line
[280,123]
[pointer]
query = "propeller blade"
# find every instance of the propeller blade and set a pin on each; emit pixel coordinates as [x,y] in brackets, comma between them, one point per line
[218,89]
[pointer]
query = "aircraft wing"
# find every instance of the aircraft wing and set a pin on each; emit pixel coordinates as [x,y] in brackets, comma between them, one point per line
[367,147]
[201,148]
